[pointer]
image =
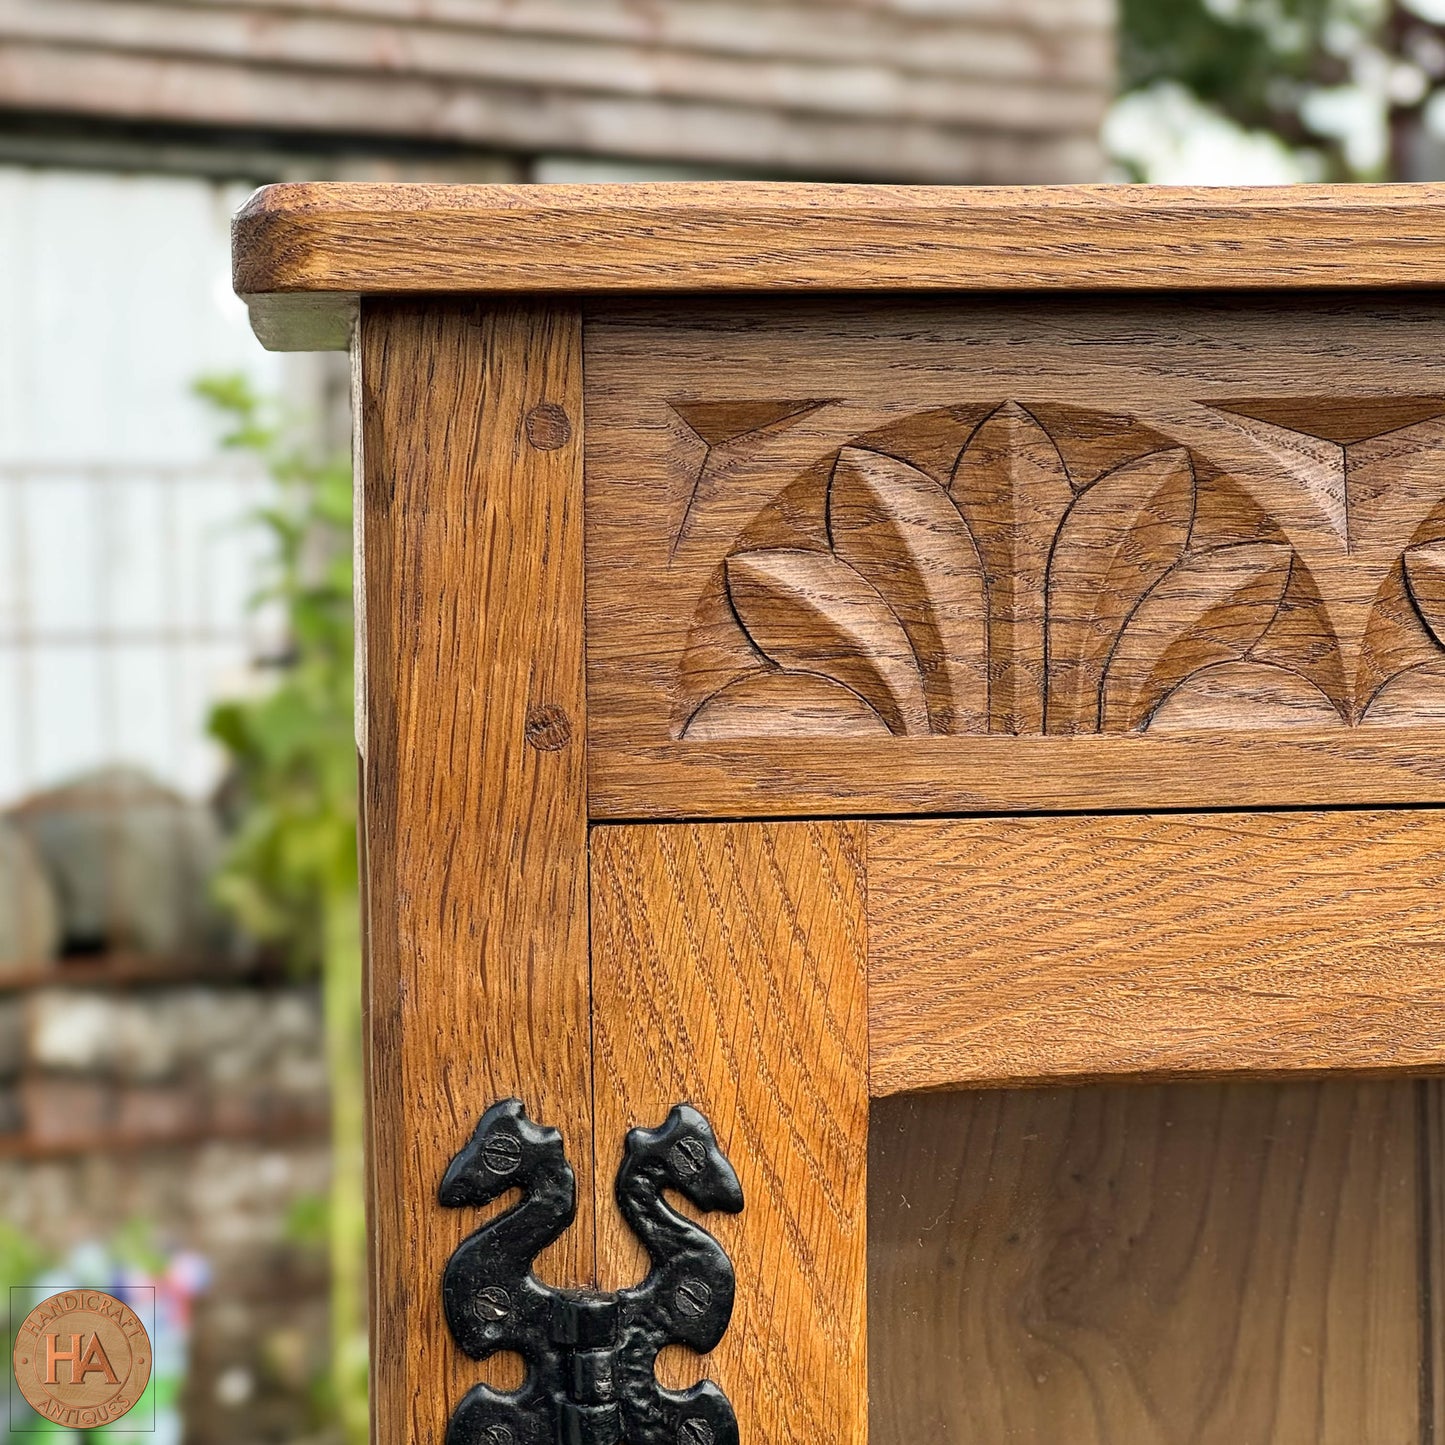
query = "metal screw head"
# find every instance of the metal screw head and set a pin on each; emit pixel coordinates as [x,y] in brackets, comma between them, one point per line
[693,1431]
[496,1435]
[494,1303]
[688,1156]
[502,1152]
[693,1297]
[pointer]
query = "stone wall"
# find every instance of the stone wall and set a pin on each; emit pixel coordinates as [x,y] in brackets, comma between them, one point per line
[194,1115]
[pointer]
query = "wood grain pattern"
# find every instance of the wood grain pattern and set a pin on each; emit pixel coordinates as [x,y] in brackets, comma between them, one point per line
[475,815]
[333,237]
[1200,1265]
[1430,1234]
[1093,517]
[822,775]
[1018,950]
[728,972]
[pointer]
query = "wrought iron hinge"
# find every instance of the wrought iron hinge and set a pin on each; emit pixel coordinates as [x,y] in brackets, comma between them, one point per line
[590,1356]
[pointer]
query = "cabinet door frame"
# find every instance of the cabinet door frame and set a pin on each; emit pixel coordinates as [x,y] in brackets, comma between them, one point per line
[602,971]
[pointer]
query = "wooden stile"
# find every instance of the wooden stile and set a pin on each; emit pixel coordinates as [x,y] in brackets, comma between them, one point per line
[475,808]
[728,971]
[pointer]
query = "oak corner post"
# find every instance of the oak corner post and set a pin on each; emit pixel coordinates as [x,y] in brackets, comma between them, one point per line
[474,792]
[729,972]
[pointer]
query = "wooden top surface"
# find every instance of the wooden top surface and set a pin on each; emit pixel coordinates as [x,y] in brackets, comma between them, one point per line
[399,239]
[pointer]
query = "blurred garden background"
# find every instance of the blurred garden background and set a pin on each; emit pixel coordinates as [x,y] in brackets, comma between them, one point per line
[180,1073]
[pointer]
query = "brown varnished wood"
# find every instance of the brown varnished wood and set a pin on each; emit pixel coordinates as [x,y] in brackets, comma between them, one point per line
[1186,1265]
[1019,950]
[728,972]
[1430,1234]
[900,555]
[752,236]
[474,792]
[826,776]
[971,555]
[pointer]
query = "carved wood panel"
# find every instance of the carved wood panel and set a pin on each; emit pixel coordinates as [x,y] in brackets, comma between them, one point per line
[1127,519]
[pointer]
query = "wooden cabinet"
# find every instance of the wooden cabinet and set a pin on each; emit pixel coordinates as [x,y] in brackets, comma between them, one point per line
[950,686]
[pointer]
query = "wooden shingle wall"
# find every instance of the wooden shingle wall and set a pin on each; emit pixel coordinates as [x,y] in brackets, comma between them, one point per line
[940,90]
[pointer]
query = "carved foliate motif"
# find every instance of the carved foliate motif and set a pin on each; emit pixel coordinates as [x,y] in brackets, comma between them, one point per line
[1026,569]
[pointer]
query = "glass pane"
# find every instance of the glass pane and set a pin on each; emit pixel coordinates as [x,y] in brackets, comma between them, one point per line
[1201,1264]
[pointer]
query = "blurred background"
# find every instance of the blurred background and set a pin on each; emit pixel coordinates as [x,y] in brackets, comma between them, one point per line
[179,961]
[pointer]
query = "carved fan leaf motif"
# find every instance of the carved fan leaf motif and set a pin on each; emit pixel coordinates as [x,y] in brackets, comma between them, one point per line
[897,528]
[1118,539]
[1398,637]
[953,571]
[1302,640]
[1403,658]
[1012,488]
[784,704]
[1213,607]
[809,612]
[1273,697]
[1425,577]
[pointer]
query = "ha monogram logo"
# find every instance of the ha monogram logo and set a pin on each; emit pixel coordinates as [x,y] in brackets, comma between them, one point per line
[82,1358]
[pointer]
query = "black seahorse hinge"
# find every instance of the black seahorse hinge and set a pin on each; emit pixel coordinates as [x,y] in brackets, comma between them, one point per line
[590,1356]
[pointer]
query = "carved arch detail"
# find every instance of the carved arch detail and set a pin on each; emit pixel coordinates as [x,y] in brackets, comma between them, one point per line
[1021,568]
